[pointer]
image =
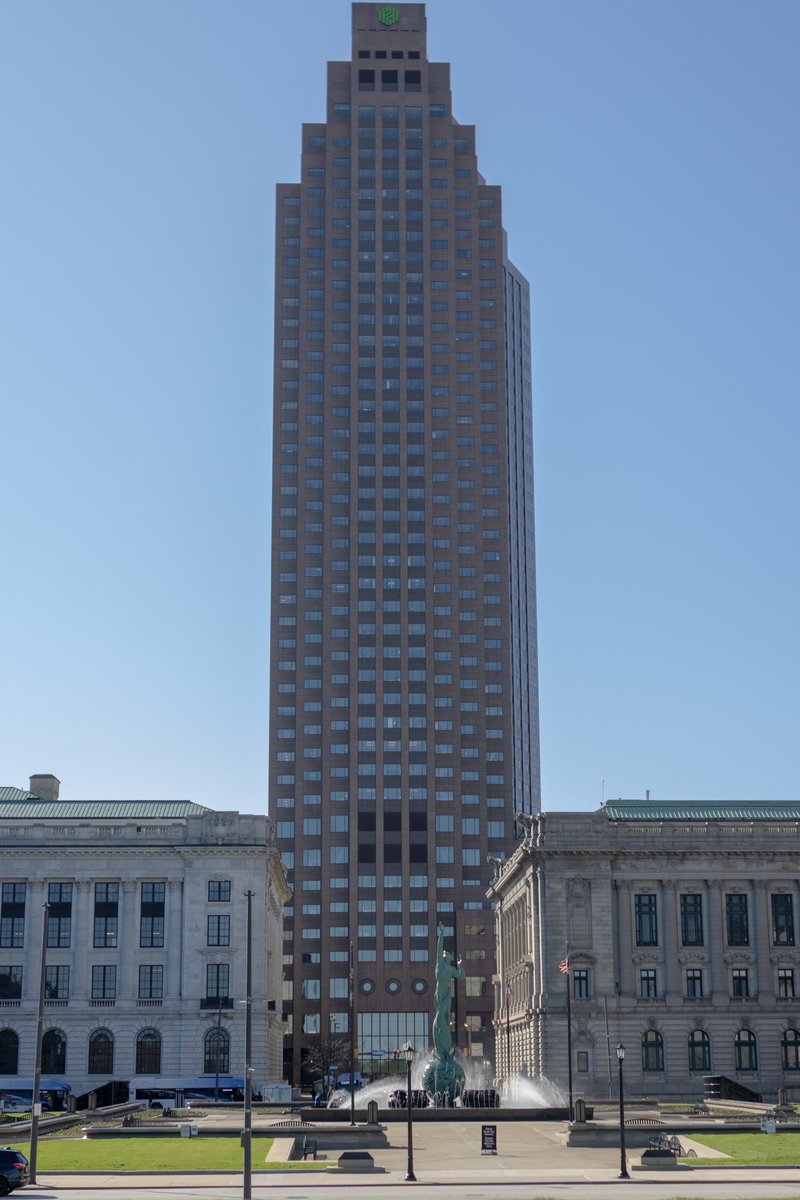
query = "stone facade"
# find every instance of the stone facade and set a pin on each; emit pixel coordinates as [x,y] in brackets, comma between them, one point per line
[146,938]
[681,924]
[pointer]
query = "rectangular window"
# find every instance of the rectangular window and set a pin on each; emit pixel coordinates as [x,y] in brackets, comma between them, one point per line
[106,912]
[786,982]
[10,983]
[648,989]
[646,919]
[151,923]
[151,981]
[782,920]
[740,985]
[736,916]
[218,981]
[104,983]
[580,984]
[59,920]
[56,983]
[694,983]
[692,919]
[12,915]
[219,930]
[219,891]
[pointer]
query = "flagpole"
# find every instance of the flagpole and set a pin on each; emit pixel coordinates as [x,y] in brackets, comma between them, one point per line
[569,1036]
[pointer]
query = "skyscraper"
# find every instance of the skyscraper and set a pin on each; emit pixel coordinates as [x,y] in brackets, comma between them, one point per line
[404,696]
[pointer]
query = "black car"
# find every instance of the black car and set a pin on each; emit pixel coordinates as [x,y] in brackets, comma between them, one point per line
[13,1170]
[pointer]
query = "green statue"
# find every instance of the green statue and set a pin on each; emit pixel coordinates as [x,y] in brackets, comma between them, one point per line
[443,1078]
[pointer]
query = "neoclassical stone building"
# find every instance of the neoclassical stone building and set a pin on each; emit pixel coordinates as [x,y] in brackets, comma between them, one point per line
[682,927]
[146,939]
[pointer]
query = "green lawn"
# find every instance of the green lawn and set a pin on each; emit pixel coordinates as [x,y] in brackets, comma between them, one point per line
[149,1154]
[750,1150]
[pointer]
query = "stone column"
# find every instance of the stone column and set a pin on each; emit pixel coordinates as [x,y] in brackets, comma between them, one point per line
[81,939]
[671,941]
[763,938]
[128,942]
[717,941]
[624,938]
[174,938]
[35,896]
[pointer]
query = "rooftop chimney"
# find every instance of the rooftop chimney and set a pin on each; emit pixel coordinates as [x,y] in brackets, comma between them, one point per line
[45,787]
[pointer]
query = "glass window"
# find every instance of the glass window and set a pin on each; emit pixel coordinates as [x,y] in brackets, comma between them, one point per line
[10,983]
[151,981]
[790,1050]
[648,989]
[9,1052]
[56,983]
[54,1052]
[148,1052]
[219,930]
[580,984]
[786,982]
[699,1051]
[104,982]
[740,982]
[652,1051]
[692,919]
[736,915]
[782,920]
[101,1052]
[694,983]
[219,891]
[646,919]
[746,1050]
[216,1052]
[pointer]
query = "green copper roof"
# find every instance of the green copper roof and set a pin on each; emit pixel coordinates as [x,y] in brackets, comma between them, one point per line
[699,810]
[16,805]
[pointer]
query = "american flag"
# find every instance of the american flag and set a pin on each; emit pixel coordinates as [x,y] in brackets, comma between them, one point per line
[509,991]
[563,966]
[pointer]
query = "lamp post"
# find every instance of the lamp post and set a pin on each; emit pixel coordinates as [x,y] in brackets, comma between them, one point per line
[36,1105]
[247,1130]
[407,1052]
[623,1166]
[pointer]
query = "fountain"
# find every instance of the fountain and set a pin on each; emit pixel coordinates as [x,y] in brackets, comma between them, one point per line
[445,1076]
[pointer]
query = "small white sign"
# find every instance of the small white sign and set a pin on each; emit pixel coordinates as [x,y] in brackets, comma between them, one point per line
[769,1127]
[37,1109]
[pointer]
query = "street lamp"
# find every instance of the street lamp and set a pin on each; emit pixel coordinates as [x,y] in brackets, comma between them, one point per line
[623,1166]
[407,1052]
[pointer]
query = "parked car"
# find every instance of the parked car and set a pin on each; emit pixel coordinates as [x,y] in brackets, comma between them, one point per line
[13,1170]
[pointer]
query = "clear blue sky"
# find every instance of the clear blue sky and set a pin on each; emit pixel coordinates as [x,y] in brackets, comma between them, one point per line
[649,158]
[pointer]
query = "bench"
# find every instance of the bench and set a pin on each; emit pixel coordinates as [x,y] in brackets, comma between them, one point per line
[309,1148]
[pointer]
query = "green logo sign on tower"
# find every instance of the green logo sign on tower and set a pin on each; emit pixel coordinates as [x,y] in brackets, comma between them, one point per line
[389,15]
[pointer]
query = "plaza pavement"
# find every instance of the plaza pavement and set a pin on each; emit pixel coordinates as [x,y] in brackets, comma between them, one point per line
[449,1153]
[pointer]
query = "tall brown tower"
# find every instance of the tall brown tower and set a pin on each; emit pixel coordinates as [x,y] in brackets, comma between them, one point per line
[404,693]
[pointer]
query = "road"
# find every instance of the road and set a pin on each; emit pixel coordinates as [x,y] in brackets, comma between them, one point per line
[284,1189]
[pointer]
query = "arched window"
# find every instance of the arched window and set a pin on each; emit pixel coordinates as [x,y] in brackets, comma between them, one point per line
[790,1050]
[54,1052]
[148,1052]
[746,1050]
[216,1052]
[9,1052]
[652,1051]
[101,1052]
[699,1051]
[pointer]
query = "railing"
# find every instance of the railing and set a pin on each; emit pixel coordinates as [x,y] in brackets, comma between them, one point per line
[216,1002]
[10,1003]
[651,999]
[697,999]
[56,1003]
[149,1003]
[102,1003]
